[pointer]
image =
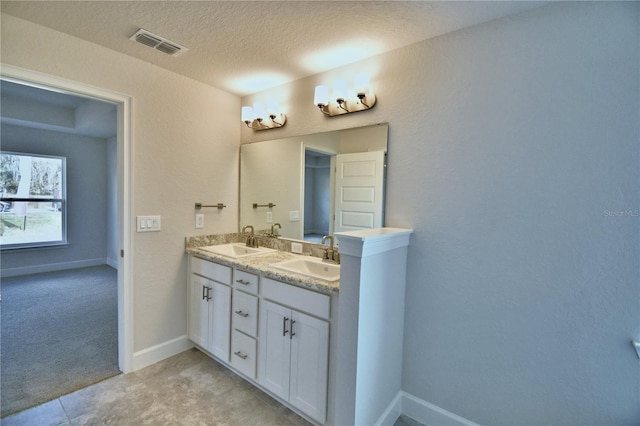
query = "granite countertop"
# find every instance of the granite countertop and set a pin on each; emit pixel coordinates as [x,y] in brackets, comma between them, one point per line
[259,264]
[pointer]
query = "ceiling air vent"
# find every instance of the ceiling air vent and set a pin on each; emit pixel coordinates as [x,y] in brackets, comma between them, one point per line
[158,43]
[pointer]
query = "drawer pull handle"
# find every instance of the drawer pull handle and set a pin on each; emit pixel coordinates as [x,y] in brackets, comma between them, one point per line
[242,314]
[240,355]
[284,326]
[244,282]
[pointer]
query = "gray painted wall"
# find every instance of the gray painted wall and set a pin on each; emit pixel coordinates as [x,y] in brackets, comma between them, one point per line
[523,295]
[86,195]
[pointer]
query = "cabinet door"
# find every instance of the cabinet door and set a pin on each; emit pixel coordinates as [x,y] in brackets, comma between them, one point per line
[220,320]
[198,311]
[309,365]
[275,348]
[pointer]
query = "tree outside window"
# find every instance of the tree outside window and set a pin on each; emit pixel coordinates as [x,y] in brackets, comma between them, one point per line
[32,202]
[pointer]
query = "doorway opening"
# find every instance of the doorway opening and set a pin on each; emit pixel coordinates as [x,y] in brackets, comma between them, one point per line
[317,195]
[58,165]
[119,180]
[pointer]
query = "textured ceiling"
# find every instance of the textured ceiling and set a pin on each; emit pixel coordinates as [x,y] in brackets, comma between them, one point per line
[245,47]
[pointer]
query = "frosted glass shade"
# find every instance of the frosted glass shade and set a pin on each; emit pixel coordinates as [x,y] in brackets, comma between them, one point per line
[259,111]
[247,113]
[272,107]
[361,83]
[340,89]
[321,95]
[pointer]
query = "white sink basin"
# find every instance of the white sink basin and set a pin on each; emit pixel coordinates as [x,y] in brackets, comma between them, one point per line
[311,267]
[236,250]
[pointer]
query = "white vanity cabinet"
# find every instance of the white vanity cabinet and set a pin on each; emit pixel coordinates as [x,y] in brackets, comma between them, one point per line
[294,346]
[274,334]
[210,307]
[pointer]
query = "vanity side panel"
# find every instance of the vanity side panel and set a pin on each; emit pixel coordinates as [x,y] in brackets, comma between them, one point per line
[380,333]
[346,346]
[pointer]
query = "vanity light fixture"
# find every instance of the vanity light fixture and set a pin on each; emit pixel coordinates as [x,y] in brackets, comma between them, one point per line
[342,101]
[261,118]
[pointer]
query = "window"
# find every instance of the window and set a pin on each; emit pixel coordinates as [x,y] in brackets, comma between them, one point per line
[33,200]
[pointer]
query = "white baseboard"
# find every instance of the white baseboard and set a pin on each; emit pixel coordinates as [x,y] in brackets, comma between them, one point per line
[393,411]
[112,262]
[421,411]
[157,353]
[51,267]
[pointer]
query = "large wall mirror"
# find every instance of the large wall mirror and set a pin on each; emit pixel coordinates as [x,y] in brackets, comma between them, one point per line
[315,185]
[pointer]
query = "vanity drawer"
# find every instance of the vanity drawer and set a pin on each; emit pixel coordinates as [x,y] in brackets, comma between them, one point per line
[243,354]
[295,297]
[213,271]
[245,281]
[245,312]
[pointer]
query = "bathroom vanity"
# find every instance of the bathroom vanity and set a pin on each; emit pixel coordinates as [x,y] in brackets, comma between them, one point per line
[280,330]
[268,325]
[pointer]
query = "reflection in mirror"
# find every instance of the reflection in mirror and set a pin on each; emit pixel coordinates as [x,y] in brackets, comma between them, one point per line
[315,185]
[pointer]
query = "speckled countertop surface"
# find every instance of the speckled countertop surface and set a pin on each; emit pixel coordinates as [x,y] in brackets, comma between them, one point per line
[259,264]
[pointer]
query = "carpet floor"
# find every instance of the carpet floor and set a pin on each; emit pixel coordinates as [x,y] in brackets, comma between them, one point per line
[59,333]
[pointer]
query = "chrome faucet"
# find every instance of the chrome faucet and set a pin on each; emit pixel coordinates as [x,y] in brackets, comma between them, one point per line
[273,231]
[251,239]
[330,254]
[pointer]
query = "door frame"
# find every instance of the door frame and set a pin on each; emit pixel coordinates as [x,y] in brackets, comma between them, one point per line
[124,153]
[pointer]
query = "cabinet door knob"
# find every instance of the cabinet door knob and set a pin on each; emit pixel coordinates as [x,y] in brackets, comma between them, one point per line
[242,314]
[284,326]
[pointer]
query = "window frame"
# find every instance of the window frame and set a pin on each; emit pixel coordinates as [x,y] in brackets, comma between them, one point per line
[63,205]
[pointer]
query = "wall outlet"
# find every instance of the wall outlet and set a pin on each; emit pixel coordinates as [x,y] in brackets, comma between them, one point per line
[294,216]
[269,217]
[199,221]
[296,248]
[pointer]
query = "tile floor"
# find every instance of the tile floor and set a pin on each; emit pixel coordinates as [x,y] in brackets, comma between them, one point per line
[187,389]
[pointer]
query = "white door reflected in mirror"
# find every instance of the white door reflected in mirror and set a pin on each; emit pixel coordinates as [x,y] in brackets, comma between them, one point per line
[298,175]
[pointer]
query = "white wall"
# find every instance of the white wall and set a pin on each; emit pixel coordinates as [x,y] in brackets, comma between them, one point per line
[185,150]
[86,199]
[510,144]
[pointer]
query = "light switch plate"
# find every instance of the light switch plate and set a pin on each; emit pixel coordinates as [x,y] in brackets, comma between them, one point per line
[294,216]
[296,248]
[148,223]
[199,221]
[269,217]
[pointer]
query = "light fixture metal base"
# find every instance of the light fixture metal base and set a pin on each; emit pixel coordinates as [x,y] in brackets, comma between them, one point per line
[271,122]
[349,106]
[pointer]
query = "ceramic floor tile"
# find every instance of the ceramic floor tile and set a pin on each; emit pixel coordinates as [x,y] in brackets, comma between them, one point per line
[188,389]
[47,414]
